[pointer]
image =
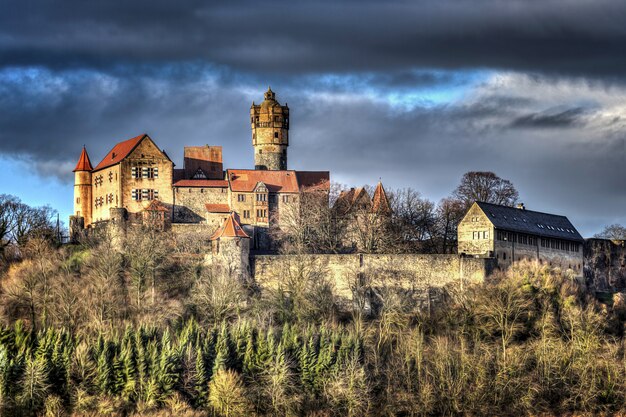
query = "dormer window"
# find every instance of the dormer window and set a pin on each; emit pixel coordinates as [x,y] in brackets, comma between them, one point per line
[199,175]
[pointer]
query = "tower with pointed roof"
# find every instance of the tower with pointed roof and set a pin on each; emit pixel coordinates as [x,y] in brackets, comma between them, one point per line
[82,188]
[231,248]
[270,133]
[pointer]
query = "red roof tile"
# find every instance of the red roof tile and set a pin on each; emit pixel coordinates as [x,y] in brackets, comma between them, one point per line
[276,181]
[202,183]
[380,202]
[351,198]
[119,152]
[84,164]
[230,228]
[313,180]
[217,208]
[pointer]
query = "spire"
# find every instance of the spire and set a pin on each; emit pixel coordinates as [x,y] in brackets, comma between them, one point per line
[380,202]
[230,228]
[84,164]
[269,94]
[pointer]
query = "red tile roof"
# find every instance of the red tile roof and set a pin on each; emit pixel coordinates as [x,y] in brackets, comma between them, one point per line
[351,198]
[380,202]
[119,152]
[230,228]
[84,164]
[313,180]
[276,181]
[202,183]
[217,208]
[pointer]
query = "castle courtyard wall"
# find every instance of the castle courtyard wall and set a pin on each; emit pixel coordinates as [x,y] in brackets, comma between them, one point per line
[345,272]
[189,203]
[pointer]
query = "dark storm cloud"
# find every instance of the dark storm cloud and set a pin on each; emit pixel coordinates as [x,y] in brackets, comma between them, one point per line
[557,36]
[414,92]
[566,118]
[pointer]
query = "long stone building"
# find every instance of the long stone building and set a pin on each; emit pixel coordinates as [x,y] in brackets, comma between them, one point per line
[511,234]
[138,180]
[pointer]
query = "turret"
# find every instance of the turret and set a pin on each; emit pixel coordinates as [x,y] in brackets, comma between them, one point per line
[82,188]
[231,248]
[270,133]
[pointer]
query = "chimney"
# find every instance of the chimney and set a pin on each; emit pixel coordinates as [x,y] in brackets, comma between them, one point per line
[521,206]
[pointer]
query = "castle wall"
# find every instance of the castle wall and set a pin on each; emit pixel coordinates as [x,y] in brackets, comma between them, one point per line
[605,265]
[346,272]
[189,203]
[106,192]
[515,251]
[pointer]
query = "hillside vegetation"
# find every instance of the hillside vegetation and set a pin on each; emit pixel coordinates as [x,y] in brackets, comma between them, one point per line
[88,330]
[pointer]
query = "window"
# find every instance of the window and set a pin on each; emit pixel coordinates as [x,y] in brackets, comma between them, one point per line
[241,197]
[504,255]
[144,194]
[261,197]
[474,235]
[246,214]
[285,199]
[486,235]
[276,135]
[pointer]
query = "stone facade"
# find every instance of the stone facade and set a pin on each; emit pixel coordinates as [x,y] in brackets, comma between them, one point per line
[409,272]
[190,203]
[270,133]
[514,234]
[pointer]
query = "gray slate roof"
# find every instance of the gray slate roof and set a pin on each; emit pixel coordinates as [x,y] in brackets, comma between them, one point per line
[530,222]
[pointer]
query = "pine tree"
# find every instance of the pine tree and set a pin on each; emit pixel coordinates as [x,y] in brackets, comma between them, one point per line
[201,380]
[223,350]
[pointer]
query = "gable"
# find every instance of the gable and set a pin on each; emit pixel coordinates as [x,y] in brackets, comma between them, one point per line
[146,148]
[124,149]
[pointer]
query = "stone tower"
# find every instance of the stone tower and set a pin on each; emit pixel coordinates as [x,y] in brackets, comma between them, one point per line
[231,249]
[82,188]
[270,133]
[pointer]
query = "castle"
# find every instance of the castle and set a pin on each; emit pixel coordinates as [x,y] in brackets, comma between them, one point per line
[138,182]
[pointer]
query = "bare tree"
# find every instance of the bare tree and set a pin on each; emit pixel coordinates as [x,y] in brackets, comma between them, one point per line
[503,306]
[218,294]
[20,222]
[146,250]
[449,213]
[308,224]
[486,187]
[415,219]
[613,232]
[102,284]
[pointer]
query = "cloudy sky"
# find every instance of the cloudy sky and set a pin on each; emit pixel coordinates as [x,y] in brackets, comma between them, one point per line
[413,92]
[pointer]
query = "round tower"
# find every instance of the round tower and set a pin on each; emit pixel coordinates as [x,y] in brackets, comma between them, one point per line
[82,188]
[270,133]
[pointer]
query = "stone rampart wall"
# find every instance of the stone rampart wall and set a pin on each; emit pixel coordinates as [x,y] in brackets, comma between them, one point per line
[345,272]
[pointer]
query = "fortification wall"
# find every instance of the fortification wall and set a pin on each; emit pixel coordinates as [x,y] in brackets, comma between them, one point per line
[605,265]
[346,272]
